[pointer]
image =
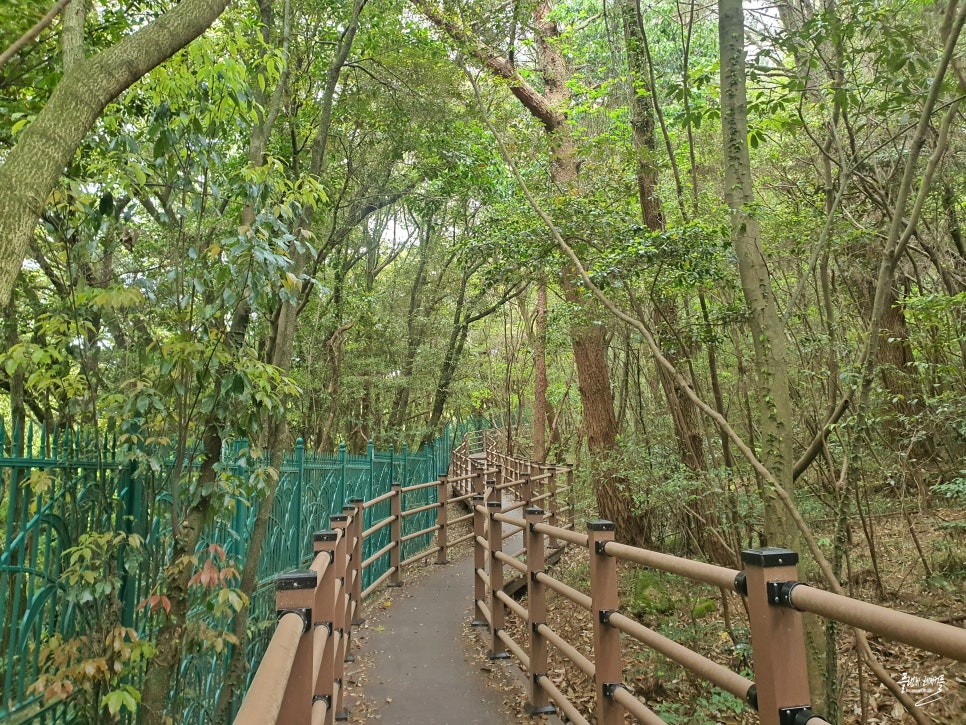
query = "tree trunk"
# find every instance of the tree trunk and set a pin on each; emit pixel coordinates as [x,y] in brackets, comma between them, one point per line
[171,635]
[774,412]
[900,378]
[642,119]
[588,338]
[35,164]
[541,409]
[774,407]
[414,332]
[589,341]
[684,413]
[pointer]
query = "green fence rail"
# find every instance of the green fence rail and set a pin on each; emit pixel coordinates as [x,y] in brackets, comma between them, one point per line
[58,491]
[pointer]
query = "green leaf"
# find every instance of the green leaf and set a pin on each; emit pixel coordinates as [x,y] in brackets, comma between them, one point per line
[121,699]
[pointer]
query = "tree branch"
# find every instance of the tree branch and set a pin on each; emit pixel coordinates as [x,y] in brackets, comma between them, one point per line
[31,34]
[501,67]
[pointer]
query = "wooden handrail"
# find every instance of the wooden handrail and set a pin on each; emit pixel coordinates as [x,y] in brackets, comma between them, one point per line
[316,607]
[717,576]
[299,677]
[926,634]
[264,698]
[768,581]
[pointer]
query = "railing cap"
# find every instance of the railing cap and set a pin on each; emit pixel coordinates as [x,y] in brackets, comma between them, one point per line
[357,499]
[769,556]
[600,525]
[325,535]
[533,511]
[296,580]
[494,504]
[338,518]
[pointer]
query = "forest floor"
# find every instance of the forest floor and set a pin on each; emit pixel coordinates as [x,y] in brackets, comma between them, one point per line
[700,618]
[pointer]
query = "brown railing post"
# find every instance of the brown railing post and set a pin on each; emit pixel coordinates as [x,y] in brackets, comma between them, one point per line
[442,498]
[479,475]
[479,559]
[340,623]
[295,592]
[497,607]
[356,528]
[537,610]
[607,640]
[395,530]
[777,636]
[571,503]
[323,613]
[496,493]
[551,487]
[526,489]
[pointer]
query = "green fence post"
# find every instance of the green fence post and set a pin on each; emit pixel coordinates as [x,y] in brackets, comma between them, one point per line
[299,476]
[371,453]
[404,479]
[430,492]
[340,487]
[392,466]
[369,545]
[133,506]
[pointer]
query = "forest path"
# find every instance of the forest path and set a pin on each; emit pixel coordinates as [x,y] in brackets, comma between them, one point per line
[420,662]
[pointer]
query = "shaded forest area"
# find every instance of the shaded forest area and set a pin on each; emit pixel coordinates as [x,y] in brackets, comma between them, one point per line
[712,253]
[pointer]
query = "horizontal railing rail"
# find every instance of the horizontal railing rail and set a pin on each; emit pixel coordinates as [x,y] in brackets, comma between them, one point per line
[768,582]
[300,677]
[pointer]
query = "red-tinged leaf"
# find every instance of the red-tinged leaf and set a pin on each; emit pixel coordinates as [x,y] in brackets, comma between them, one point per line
[150,602]
[209,575]
[217,551]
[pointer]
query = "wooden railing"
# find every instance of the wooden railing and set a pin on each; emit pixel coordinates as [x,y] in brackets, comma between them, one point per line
[775,602]
[299,679]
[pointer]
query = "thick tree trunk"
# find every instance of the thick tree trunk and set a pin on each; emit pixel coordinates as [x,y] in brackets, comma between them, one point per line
[611,488]
[642,119]
[589,341]
[588,338]
[900,377]
[665,308]
[34,165]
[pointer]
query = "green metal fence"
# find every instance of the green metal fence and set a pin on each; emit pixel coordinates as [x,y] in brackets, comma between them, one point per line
[57,489]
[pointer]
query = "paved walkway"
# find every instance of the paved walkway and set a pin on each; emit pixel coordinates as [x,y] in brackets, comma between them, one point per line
[424,671]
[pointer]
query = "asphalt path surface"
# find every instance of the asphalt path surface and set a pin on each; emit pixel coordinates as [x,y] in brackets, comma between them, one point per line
[423,668]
